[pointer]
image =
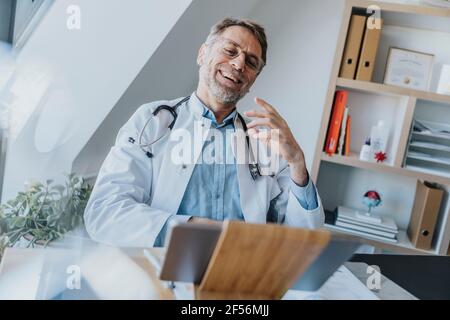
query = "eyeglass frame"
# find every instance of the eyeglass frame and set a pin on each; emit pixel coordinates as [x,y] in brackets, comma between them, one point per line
[261,62]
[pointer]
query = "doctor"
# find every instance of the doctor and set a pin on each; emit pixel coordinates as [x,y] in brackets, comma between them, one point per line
[143,185]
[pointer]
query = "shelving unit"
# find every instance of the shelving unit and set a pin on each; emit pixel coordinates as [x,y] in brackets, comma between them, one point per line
[378,88]
[353,161]
[341,178]
[402,246]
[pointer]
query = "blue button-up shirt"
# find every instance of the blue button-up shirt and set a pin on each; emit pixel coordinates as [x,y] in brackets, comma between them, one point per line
[213,190]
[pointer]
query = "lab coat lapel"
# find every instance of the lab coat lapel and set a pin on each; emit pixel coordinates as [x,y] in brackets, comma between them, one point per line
[253,194]
[174,177]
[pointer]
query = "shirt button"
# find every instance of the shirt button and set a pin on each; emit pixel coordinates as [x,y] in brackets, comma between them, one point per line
[218,196]
[184,166]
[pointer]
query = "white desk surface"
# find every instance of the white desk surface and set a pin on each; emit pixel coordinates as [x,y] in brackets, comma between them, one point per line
[20,274]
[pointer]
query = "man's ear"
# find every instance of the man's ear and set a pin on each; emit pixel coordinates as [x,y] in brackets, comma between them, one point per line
[201,55]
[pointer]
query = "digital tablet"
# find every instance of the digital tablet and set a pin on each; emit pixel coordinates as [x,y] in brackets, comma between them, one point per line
[191,246]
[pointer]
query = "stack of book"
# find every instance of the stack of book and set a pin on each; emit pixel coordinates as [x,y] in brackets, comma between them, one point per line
[356,222]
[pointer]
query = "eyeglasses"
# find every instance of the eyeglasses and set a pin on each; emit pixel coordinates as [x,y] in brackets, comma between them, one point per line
[232,50]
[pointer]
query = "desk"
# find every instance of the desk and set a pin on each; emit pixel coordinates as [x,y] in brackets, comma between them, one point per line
[21,274]
[426,277]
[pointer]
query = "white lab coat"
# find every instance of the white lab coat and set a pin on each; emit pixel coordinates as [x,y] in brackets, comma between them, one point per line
[134,196]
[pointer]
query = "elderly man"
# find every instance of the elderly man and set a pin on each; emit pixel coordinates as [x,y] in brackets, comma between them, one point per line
[144,183]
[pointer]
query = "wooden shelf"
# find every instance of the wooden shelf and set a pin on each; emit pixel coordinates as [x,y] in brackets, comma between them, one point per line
[403,245]
[353,161]
[377,88]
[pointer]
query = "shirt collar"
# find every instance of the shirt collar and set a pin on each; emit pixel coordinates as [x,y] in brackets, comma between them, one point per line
[198,106]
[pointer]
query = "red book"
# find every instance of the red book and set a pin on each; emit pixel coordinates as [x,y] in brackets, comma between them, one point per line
[347,137]
[340,102]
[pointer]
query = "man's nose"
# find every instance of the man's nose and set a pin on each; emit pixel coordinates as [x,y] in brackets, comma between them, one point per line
[239,62]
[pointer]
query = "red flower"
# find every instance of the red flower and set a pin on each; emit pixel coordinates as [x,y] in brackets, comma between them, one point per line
[380,156]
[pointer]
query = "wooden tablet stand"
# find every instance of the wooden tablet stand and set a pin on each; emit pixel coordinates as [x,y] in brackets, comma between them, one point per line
[259,261]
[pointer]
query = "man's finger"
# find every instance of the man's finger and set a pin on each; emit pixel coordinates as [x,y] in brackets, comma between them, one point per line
[255,114]
[252,131]
[261,135]
[266,105]
[261,123]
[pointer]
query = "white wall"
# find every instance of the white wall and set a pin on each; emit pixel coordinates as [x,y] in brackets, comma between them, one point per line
[302,38]
[302,42]
[301,51]
[82,86]
[170,73]
[67,81]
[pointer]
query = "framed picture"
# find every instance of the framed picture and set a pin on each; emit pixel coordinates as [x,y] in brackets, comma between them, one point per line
[410,69]
[444,82]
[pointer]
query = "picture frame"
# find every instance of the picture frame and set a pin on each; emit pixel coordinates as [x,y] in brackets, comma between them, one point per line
[409,69]
[444,81]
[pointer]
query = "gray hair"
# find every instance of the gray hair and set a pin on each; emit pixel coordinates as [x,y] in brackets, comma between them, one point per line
[256,29]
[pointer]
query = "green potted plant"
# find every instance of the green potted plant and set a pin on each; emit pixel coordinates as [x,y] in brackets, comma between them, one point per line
[44,212]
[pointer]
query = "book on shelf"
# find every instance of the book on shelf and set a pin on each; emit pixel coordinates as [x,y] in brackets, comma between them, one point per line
[372,231]
[360,233]
[352,215]
[340,149]
[334,127]
[347,137]
[364,224]
[348,220]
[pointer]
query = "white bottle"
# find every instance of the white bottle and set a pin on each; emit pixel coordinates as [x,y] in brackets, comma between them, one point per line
[378,139]
[365,151]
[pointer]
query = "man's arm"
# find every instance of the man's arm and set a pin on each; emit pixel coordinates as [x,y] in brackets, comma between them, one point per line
[301,205]
[291,209]
[306,195]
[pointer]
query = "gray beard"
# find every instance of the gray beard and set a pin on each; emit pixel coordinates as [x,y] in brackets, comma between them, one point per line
[222,94]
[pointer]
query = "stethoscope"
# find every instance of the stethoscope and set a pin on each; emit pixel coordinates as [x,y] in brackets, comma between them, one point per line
[254,168]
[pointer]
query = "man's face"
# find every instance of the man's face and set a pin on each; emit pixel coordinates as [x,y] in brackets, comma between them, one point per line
[227,74]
